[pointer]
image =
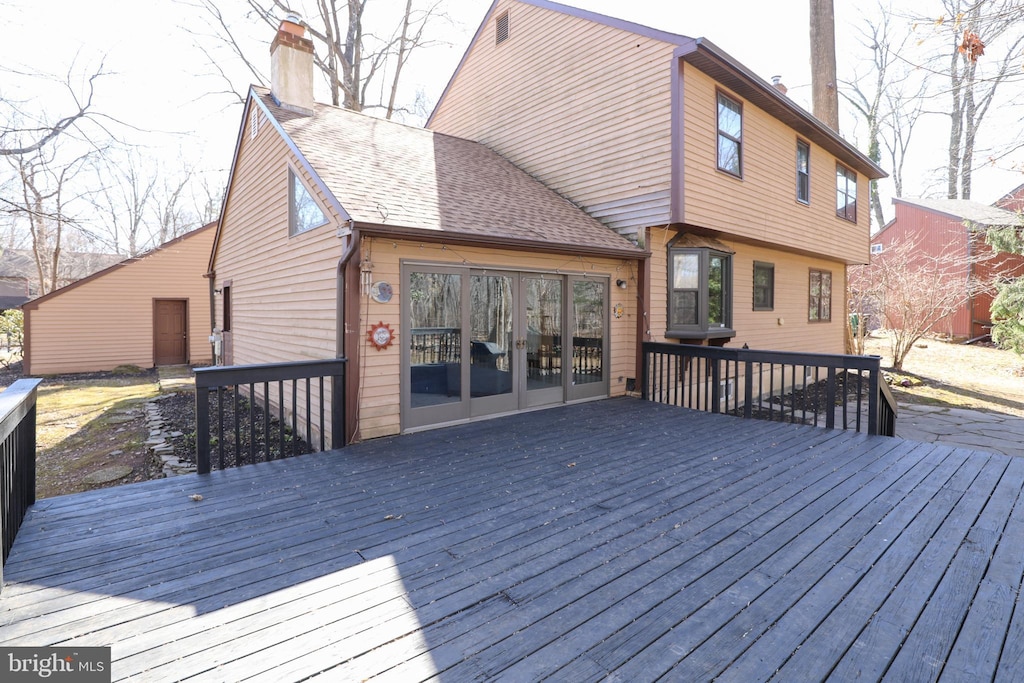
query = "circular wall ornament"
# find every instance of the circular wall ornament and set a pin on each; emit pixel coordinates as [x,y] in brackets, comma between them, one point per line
[381,292]
[618,310]
[381,335]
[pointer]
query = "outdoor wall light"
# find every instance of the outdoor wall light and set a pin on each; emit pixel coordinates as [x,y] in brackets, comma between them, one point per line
[621,284]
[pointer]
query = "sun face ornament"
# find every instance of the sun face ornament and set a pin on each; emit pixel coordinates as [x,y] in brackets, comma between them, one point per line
[381,335]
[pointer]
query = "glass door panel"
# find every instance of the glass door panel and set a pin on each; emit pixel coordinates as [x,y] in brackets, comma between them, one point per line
[434,342]
[543,334]
[492,343]
[589,338]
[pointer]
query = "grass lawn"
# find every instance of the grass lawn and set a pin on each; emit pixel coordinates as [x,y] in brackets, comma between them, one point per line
[956,375]
[84,425]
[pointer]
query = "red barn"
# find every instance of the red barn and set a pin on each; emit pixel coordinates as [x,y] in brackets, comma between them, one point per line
[955,229]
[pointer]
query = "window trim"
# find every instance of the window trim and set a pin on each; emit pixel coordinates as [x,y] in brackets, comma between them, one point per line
[803,175]
[770,267]
[702,329]
[810,299]
[719,134]
[851,177]
[293,228]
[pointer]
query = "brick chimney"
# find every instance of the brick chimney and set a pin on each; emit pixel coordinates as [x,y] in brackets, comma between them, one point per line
[777,82]
[291,67]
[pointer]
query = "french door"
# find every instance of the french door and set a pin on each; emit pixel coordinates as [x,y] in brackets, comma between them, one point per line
[484,342]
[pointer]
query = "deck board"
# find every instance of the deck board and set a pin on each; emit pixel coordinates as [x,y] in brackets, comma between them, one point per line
[616,539]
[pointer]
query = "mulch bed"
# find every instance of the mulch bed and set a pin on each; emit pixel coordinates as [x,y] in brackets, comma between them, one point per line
[178,411]
[810,403]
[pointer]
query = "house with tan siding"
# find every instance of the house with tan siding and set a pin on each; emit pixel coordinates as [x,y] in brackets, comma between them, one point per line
[750,207]
[150,310]
[584,185]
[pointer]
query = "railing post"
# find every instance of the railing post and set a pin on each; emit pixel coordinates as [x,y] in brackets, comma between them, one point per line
[338,411]
[202,430]
[748,388]
[830,399]
[873,378]
[716,376]
[645,369]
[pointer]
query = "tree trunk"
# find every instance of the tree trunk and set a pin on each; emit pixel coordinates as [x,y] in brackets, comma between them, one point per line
[956,117]
[824,93]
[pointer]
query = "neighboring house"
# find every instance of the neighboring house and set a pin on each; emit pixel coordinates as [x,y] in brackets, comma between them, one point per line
[150,310]
[954,230]
[19,276]
[1012,200]
[622,184]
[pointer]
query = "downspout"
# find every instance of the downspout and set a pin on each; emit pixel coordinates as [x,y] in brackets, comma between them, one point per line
[340,335]
[211,277]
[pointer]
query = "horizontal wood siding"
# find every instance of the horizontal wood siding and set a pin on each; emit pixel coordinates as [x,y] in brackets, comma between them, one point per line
[934,235]
[762,205]
[380,379]
[786,328]
[107,320]
[583,107]
[283,288]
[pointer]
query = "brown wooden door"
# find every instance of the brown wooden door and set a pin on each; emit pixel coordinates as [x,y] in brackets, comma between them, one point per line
[170,331]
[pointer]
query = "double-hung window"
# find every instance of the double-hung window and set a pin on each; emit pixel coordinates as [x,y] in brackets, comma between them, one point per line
[803,172]
[764,286]
[846,193]
[730,135]
[700,292]
[820,296]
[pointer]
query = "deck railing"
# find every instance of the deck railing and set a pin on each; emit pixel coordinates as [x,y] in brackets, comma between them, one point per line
[270,411]
[17,458]
[829,390]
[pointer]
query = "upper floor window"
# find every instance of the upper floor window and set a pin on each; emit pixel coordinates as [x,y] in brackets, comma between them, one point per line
[764,286]
[820,296]
[700,296]
[846,193]
[303,212]
[730,135]
[803,172]
[877,248]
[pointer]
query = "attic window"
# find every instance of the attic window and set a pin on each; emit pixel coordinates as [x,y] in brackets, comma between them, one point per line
[303,212]
[877,248]
[501,29]
[254,123]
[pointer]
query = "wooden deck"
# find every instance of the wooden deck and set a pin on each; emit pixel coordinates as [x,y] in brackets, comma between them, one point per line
[611,541]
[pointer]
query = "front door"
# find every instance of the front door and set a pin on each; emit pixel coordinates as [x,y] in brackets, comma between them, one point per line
[170,331]
[484,342]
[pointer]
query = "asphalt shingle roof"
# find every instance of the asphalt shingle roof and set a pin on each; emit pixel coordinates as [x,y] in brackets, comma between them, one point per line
[975,212]
[386,173]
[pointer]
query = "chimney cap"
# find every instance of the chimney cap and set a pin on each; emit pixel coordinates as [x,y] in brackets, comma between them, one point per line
[777,82]
[292,23]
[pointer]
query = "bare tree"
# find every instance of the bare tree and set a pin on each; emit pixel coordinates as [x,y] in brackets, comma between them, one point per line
[976,75]
[126,190]
[352,58]
[887,97]
[46,195]
[909,292]
[18,140]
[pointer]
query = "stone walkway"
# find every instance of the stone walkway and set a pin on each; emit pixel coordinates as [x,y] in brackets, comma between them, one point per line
[975,429]
[172,378]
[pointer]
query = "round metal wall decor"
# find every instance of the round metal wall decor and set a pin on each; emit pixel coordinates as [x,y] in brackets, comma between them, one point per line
[381,292]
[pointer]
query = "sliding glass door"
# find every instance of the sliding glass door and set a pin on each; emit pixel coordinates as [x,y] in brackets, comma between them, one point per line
[483,342]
